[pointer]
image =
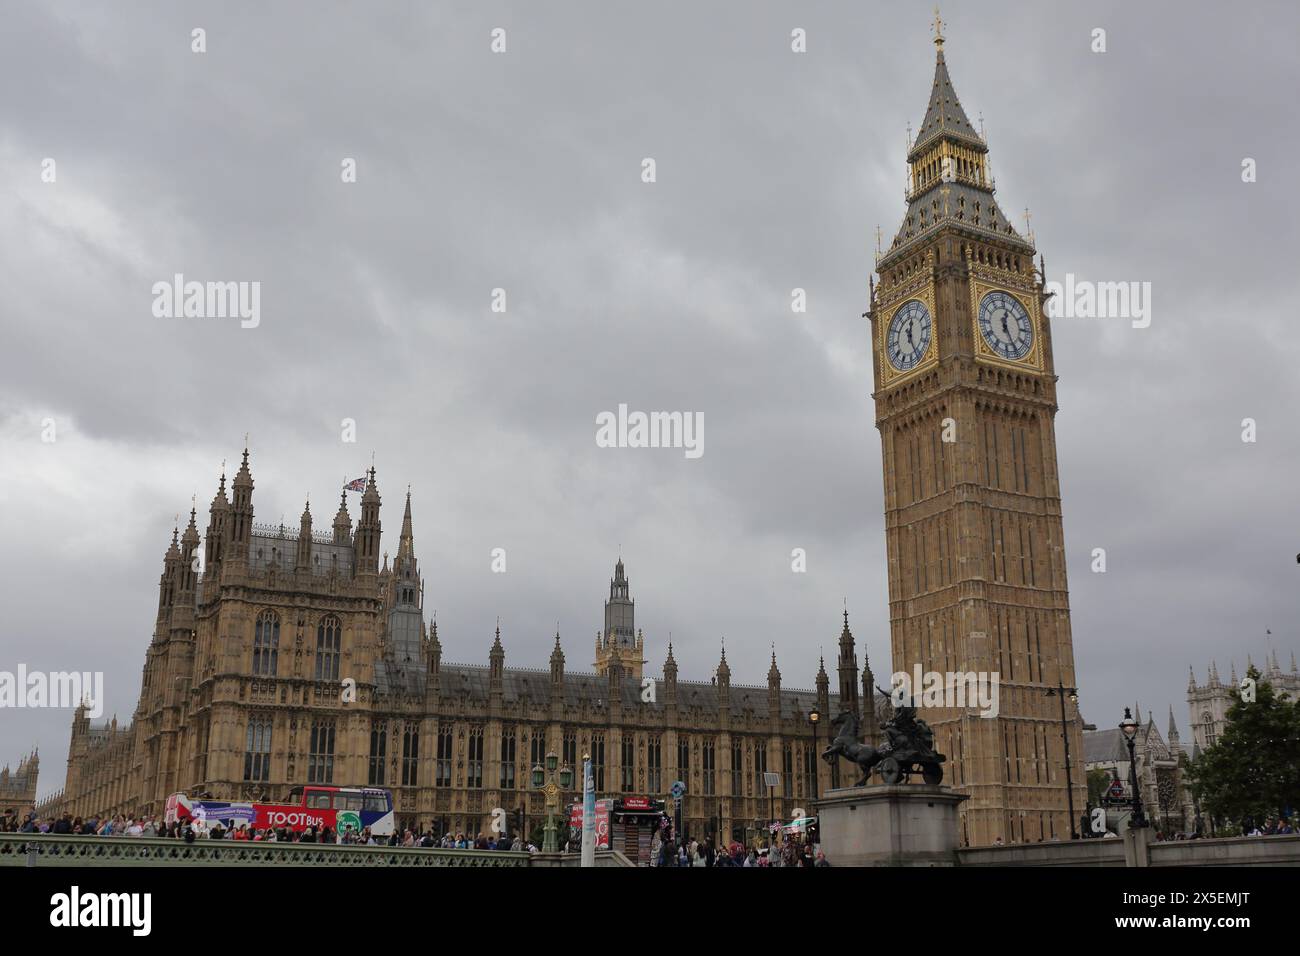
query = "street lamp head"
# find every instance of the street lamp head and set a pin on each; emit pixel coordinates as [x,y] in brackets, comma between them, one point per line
[1074,695]
[539,776]
[1128,724]
[566,778]
[814,715]
[552,761]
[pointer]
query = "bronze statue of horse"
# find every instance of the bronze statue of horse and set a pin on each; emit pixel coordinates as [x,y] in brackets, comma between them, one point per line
[847,745]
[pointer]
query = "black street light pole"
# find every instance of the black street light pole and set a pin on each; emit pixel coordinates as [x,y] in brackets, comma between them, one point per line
[814,718]
[1130,727]
[1060,691]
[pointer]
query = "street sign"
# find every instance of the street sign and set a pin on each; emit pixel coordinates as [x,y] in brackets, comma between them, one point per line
[771,779]
[679,788]
[1116,790]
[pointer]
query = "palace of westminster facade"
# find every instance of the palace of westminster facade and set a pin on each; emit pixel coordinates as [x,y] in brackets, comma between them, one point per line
[247,691]
[241,681]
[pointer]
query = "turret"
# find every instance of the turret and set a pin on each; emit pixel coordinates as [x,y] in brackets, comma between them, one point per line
[724,674]
[1175,745]
[496,661]
[168,583]
[823,686]
[241,508]
[303,562]
[848,670]
[343,521]
[218,528]
[670,677]
[774,688]
[368,529]
[189,545]
[557,679]
[435,649]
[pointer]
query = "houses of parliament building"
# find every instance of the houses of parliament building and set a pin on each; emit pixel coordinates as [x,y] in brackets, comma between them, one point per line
[248,691]
[241,692]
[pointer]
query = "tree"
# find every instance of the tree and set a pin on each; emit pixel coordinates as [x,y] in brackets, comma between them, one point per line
[1253,769]
[1098,784]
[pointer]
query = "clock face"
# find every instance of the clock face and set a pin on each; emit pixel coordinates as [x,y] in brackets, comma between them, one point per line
[909,335]
[1005,325]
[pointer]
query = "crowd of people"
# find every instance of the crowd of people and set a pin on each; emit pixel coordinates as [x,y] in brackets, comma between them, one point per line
[792,851]
[190,830]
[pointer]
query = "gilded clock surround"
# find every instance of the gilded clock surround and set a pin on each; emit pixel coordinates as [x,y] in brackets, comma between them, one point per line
[920,288]
[982,282]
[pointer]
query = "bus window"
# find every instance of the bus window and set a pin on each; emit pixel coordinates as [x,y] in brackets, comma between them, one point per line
[347,801]
[376,802]
[318,799]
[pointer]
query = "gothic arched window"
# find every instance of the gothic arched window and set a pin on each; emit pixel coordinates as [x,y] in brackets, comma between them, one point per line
[266,644]
[329,636]
[1208,720]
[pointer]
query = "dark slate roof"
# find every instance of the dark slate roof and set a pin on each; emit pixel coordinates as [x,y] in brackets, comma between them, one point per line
[962,205]
[944,115]
[471,682]
[1104,746]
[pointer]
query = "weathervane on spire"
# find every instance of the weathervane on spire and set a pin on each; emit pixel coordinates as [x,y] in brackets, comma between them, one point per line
[938,29]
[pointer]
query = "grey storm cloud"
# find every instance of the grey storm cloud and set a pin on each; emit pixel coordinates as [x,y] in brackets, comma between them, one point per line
[521,171]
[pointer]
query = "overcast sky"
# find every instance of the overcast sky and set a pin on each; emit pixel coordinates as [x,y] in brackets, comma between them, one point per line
[522,171]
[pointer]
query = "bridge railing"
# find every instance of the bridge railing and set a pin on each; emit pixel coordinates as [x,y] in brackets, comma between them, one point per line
[43,849]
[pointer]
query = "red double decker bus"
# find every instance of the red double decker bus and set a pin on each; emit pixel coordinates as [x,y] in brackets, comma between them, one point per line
[308,806]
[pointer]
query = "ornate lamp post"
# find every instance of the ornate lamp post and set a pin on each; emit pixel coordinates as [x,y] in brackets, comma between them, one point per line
[814,718]
[1130,728]
[545,780]
[1073,693]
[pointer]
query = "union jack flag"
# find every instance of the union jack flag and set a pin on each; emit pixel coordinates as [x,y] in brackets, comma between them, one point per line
[358,484]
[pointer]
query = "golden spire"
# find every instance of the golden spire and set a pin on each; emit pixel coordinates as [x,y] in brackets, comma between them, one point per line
[938,29]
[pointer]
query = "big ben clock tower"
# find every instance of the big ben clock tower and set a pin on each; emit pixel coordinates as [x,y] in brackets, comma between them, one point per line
[965,394]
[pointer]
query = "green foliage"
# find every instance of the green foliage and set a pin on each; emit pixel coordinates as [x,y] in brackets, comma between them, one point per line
[1253,769]
[1098,783]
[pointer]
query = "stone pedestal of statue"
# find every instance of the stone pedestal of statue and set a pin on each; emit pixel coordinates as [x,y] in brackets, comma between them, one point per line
[900,825]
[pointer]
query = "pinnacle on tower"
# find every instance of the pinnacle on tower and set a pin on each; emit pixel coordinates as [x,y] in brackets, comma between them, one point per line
[949,179]
[406,544]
